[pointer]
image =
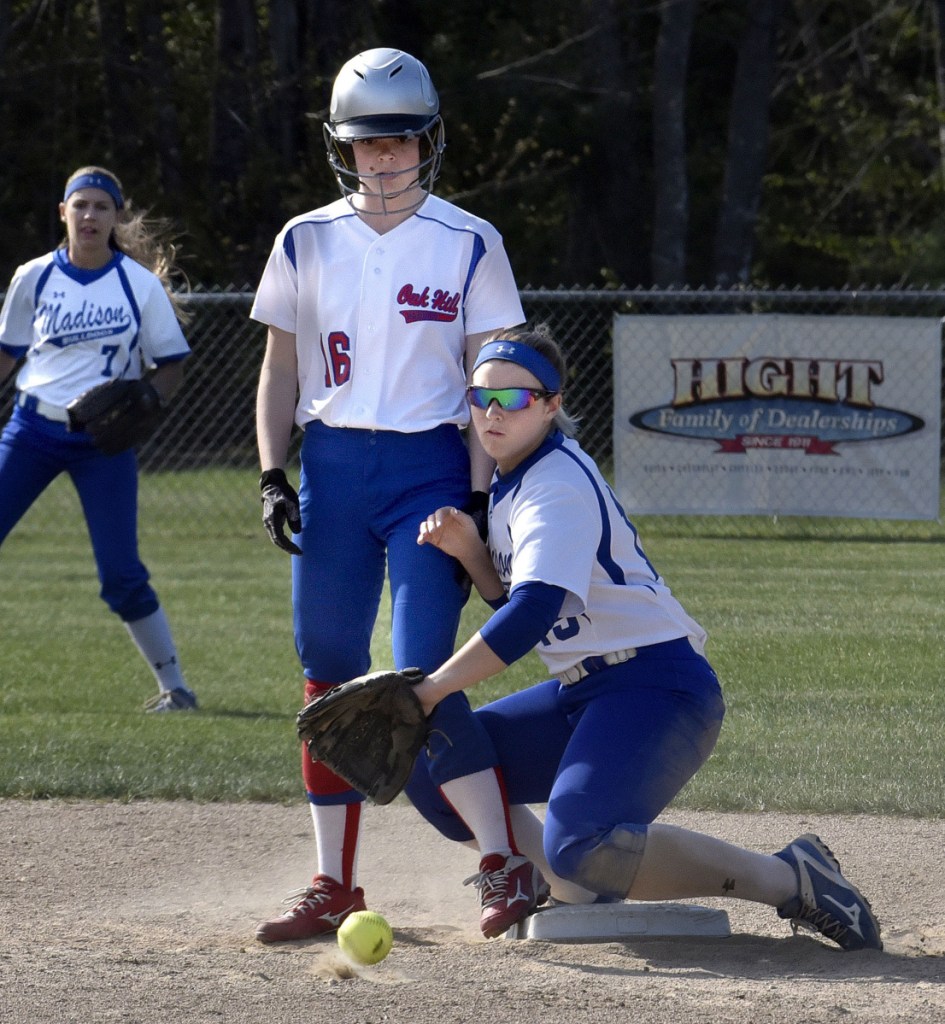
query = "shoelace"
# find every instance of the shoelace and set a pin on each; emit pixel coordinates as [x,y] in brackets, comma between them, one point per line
[159,700]
[821,921]
[310,896]
[163,699]
[492,885]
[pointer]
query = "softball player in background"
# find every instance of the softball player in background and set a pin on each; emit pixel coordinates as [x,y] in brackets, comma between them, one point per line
[634,708]
[376,305]
[95,309]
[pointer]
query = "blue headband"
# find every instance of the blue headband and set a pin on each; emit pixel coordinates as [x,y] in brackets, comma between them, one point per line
[101,181]
[523,355]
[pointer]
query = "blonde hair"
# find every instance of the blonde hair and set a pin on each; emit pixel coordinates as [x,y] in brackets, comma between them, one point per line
[147,240]
[542,340]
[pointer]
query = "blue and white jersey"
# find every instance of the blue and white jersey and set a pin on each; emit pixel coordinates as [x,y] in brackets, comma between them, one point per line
[381,321]
[554,519]
[78,328]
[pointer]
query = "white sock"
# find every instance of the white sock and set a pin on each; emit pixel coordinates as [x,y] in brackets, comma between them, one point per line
[152,637]
[337,836]
[529,836]
[529,829]
[478,799]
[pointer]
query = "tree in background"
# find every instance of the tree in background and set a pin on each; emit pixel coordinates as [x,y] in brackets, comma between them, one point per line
[747,144]
[695,142]
[670,177]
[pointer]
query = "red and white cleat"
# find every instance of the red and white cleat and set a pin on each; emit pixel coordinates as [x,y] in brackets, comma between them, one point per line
[317,910]
[510,888]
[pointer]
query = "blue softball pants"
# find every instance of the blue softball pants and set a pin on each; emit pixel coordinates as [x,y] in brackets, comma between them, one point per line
[362,496]
[33,452]
[606,754]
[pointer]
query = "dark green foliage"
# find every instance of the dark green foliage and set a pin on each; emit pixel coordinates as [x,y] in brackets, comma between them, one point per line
[210,112]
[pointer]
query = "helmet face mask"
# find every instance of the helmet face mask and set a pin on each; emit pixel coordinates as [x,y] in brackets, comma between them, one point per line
[384,93]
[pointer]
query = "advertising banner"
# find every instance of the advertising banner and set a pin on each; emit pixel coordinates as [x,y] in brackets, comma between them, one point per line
[778,415]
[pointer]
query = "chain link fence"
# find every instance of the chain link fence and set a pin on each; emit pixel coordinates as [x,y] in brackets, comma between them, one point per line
[199,472]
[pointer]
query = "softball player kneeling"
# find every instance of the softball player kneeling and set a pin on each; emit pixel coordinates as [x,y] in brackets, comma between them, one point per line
[633,708]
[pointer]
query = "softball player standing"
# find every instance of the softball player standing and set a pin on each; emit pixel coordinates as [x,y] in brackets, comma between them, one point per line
[89,312]
[376,305]
[634,708]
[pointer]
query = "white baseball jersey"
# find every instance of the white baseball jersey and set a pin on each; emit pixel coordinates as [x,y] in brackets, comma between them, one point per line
[79,328]
[381,321]
[554,519]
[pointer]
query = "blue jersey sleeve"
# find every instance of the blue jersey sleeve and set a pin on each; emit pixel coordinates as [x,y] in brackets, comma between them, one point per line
[532,609]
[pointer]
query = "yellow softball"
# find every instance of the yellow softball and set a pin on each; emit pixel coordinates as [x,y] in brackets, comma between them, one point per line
[365,937]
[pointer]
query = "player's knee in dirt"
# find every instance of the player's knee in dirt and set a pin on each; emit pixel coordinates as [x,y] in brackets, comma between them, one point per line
[606,864]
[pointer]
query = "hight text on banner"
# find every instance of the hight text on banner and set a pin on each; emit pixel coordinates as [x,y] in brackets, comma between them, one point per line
[778,415]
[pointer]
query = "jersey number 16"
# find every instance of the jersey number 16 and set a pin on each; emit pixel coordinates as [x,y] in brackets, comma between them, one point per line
[337,360]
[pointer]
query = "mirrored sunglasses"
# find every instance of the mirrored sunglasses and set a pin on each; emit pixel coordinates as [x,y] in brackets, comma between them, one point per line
[509,399]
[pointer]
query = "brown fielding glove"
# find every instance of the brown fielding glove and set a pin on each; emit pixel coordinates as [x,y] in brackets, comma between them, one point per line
[117,414]
[369,731]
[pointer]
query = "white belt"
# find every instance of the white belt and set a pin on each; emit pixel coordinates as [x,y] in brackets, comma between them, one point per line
[45,409]
[594,664]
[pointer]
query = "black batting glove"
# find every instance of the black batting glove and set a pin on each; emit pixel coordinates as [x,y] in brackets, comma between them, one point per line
[280,507]
[477,508]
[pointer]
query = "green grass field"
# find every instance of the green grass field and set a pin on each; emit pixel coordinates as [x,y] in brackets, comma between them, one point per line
[827,643]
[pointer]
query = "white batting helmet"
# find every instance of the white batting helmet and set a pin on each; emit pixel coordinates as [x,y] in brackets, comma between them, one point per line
[383,93]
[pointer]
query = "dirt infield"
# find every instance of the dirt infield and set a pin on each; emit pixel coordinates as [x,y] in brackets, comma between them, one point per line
[145,912]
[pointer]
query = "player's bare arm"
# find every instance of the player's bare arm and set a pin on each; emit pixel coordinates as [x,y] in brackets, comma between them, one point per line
[7,362]
[276,398]
[275,415]
[481,464]
[166,379]
[472,663]
[455,533]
